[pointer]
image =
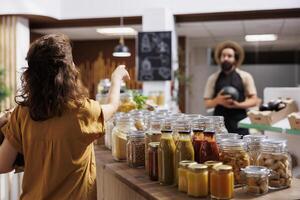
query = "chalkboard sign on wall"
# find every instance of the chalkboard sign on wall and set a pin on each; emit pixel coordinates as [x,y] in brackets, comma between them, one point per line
[154,56]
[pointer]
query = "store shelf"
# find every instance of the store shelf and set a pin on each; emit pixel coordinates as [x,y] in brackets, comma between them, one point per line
[282,126]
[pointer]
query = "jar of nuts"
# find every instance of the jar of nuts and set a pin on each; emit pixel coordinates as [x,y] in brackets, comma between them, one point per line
[135,149]
[274,156]
[233,153]
[256,179]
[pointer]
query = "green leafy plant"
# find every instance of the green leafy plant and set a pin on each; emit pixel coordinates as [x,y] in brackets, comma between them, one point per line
[139,99]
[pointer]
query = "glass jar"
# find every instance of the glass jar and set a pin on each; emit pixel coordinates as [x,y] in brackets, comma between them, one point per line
[135,149]
[152,135]
[166,154]
[139,121]
[127,104]
[210,165]
[175,128]
[191,117]
[108,131]
[109,125]
[184,147]
[234,154]
[153,160]
[253,146]
[274,156]
[119,137]
[160,99]
[224,136]
[182,174]
[256,179]
[209,148]
[198,127]
[222,182]
[219,124]
[197,180]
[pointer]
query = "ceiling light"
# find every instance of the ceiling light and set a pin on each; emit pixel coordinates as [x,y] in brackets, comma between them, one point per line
[261,38]
[117,31]
[121,50]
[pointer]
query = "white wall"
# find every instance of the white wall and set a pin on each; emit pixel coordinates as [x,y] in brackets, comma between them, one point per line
[199,70]
[104,8]
[50,8]
[68,9]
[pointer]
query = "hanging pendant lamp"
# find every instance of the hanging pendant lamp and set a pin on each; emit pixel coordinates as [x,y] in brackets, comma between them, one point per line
[121,50]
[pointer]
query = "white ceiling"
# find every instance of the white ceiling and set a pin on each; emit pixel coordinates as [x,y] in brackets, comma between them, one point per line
[208,34]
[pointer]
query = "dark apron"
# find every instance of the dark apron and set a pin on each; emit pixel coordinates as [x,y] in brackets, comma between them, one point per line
[231,115]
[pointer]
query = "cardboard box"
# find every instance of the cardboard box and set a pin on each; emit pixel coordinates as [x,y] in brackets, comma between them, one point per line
[294,120]
[271,117]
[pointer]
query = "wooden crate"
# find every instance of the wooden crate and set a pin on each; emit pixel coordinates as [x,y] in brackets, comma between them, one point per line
[294,120]
[271,117]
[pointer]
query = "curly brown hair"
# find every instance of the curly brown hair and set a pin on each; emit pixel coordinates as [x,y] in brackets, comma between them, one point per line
[51,80]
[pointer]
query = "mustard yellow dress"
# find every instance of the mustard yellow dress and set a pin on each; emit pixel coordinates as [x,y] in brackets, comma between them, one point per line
[58,152]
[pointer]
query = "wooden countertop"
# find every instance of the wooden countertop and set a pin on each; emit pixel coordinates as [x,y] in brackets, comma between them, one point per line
[138,180]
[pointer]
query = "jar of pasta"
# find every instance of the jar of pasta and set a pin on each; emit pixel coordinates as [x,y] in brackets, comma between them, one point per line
[233,153]
[222,182]
[253,146]
[124,125]
[197,180]
[274,156]
[182,174]
[135,149]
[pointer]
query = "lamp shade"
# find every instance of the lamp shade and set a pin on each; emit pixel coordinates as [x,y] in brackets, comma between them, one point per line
[121,50]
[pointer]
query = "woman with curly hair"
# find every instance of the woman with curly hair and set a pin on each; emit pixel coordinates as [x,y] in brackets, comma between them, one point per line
[55,124]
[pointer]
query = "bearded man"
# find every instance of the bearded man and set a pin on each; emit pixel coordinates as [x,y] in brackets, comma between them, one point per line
[230,55]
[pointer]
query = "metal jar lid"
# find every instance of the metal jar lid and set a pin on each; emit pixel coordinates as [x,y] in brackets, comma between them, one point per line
[186,163]
[223,168]
[210,164]
[197,167]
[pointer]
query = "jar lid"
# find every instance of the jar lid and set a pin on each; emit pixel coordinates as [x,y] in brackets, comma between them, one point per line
[254,138]
[232,142]
[274,143]
[126,118]
[184,132]
[186,163]
[197,167]
[256,170]
[154,144]
[223,168]
[210,164]
[136,134]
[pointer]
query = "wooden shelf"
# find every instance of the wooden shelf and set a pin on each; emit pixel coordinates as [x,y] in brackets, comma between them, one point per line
[117,181]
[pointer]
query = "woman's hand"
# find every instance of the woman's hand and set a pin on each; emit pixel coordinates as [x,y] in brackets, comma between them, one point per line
[120,73]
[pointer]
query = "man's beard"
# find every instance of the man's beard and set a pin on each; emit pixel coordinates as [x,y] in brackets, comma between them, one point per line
[226,66]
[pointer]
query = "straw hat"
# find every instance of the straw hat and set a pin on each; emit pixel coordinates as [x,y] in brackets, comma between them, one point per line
[229,44]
